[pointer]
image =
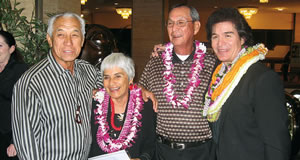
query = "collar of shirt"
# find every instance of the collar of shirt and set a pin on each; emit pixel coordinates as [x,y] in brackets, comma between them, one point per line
[57,68]
[176,59]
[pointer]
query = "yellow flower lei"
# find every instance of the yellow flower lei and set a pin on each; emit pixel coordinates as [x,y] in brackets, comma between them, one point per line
[215,101]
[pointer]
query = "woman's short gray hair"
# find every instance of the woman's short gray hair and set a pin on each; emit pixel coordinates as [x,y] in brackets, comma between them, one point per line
[67,14]
[121,61]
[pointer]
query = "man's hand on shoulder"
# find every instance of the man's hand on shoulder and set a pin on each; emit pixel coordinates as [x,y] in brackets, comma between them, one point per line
[149,95]
[157,48]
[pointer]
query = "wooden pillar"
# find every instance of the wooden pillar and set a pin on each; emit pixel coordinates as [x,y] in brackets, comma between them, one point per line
[147,30]
[59,6]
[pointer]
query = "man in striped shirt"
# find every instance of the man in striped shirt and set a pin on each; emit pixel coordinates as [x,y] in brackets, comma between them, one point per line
[183,133]
[52,101]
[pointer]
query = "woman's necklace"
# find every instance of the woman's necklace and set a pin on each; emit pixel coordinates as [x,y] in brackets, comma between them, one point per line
[131,124]
[170,78]
[112,116]
[223,84]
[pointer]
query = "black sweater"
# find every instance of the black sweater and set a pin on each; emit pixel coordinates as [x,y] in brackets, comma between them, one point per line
[8,77]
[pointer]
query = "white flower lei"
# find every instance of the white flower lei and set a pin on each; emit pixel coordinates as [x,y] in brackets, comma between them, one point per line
[131,124]
[170,78]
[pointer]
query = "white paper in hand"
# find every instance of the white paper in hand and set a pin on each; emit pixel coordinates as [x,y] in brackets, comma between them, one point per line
[119,155]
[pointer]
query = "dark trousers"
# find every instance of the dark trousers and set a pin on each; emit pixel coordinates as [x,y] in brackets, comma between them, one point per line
[5,140]
[201,152]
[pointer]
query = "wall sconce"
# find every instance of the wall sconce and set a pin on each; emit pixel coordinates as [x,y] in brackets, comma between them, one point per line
[248,11]
[263,1]
[83,2]
[124,12]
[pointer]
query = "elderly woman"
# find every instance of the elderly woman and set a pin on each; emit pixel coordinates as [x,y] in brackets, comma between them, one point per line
[122,119]
[11,68]
[245,100]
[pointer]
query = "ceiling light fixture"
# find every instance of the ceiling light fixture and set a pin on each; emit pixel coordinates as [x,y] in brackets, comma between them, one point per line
[263,1]
[248,11]
[280,9]
[124,12]
[83,2]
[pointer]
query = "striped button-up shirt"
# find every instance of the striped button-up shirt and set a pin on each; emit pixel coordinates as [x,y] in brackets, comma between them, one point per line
[45,100]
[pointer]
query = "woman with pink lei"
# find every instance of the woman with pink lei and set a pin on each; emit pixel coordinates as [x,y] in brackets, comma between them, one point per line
[122,120]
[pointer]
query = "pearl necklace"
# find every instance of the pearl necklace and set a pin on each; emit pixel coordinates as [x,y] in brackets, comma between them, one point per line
[131,122]
[170,78]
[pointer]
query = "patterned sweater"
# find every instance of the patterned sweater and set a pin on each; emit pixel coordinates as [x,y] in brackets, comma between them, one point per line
[179,124]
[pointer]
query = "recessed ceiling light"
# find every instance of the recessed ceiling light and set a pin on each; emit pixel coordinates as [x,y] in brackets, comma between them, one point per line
[116,3]
[280,8]
[215,7]
[97,8]
[263,1]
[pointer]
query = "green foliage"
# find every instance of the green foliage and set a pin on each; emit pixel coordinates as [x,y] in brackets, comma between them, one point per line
[30,34]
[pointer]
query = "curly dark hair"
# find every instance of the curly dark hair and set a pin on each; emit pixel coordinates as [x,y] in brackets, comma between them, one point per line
[232,15]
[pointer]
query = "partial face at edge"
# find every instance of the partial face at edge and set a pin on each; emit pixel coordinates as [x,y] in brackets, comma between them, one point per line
[5,50]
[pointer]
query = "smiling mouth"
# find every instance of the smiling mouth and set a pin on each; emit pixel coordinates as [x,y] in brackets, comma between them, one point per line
[222,50]
[68,51]
[114,89]
[176,36]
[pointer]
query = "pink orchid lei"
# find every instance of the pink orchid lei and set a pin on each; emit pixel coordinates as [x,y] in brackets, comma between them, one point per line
[170,78]
[131,125]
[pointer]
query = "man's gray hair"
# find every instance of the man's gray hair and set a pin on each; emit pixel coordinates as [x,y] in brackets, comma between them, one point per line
[193,12]
[67,14]
[121,61]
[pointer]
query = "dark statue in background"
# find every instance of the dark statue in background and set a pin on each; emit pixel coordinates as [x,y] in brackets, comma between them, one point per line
[99,43]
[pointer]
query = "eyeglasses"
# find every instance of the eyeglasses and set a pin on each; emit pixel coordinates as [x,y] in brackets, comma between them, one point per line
[179,23]
[77,117]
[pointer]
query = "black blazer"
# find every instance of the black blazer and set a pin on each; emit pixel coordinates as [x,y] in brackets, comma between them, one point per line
[253,124]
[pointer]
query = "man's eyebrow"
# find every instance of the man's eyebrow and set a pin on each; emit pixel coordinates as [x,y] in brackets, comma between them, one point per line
[230,32]
[77,30]
[59,29]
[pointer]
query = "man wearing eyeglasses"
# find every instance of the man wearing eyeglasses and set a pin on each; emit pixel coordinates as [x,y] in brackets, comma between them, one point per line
[179,77]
